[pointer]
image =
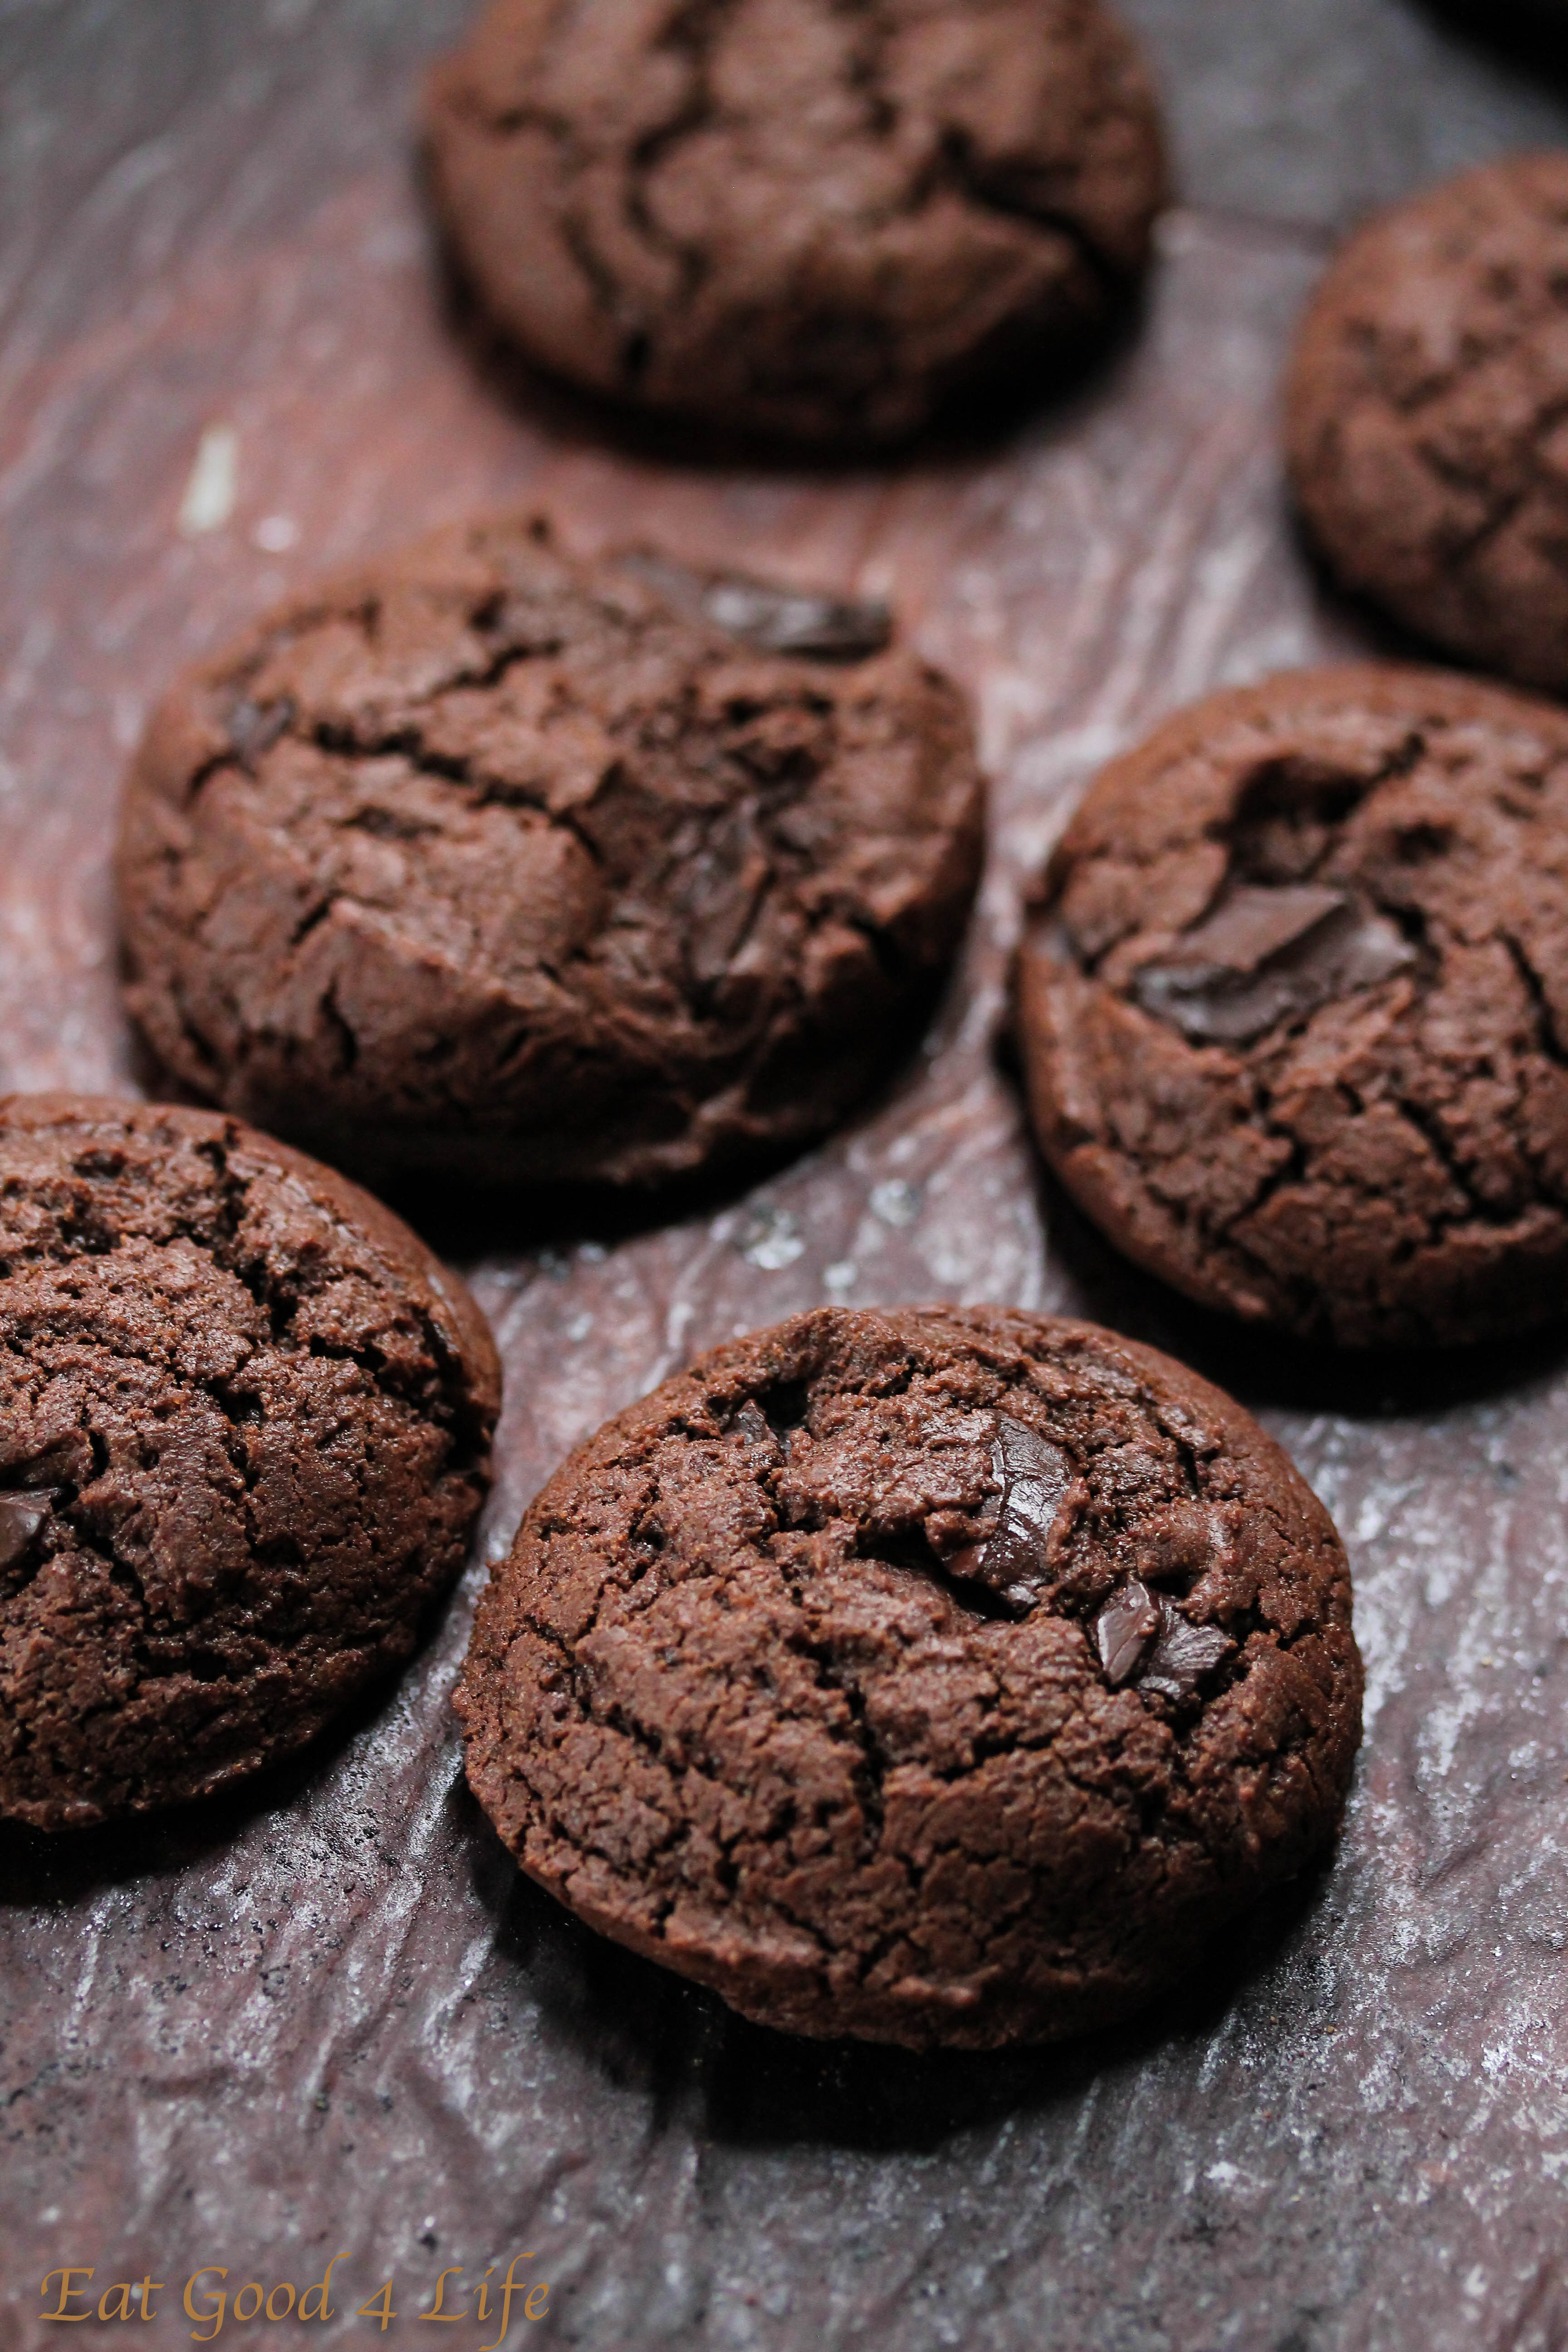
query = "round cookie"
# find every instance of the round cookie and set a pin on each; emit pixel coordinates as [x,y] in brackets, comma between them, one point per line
[929,1676]
[489,861]
[1426,424]
[245,1432]
[1293,1007]
[797,217]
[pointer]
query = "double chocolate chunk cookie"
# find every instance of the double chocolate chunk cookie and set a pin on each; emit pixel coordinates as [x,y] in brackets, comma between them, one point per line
[1427,416]
[487,860]
[245,1430]
[943,1675]
[1293,1008]
[797,217]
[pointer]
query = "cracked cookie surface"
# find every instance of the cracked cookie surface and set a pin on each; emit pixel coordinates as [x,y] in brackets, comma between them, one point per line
[489,860]
[797,217]
[1293,1006]
[244,1429]
[935,1675]
[1427,416]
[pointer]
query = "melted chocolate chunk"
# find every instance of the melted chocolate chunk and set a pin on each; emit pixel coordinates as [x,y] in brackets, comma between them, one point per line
[1183,1655]
[1143,1638]
[254,727]
[1034,1476]
[1125,1630]
[775,619]
[756,1429]
[1267,955]
[22,1516]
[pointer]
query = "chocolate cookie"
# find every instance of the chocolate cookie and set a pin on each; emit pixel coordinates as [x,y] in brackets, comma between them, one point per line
[1427,416]
[933,1675]
[487,860]
[244,1429]
[1293,1009]
[797,217]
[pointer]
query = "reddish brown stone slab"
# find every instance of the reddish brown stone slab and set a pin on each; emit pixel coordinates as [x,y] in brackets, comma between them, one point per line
[330,2016]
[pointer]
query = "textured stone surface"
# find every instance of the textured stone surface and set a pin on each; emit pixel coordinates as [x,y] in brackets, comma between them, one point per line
[335,2018]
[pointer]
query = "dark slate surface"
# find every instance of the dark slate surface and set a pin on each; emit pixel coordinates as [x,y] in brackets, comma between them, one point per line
[329,2017]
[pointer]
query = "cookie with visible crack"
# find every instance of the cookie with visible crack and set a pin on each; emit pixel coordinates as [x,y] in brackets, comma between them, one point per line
[245,1434]
[1426,426]
[798,218]
[1293,1006]
[490,861]
[930,1675]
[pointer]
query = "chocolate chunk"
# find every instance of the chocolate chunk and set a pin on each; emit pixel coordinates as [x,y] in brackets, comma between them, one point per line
[22,1516]
[1125,1629]
[1143,1638]
[1265,955]
[775,619]
[254,727]
[1182,1654]
[1034,1476]
[754,1427]
[1254,925]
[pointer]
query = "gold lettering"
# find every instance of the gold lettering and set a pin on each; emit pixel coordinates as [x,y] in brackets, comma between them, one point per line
[122,2287]
[284,2286]
[325,2311]
[509,2286]
[387,2314]
[149,2287]
[436,2312]
[209,2269]
[251,2286]
[542,2292]
[67,2291]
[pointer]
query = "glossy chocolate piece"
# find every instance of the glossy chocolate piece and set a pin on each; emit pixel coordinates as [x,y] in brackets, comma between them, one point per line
[24,1513]
[1267,955]
[775,619]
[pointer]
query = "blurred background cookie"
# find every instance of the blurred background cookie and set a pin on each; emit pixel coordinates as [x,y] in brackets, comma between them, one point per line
[784,217]
[245,1434]
[935,1676]
[1293,1009]
[487,860]
[1426,424]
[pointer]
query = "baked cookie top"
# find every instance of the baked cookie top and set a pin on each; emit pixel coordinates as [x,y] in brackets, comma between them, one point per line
[244,1427]
[488,859]
[797,216]
[1427,415]
[939,1675]
[1293,1007]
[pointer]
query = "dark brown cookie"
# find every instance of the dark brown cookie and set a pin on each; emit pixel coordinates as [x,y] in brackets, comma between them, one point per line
[244,1429]
[1293,1010]
[487,860]
[1427,416]
[942,1675]
[797,217]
